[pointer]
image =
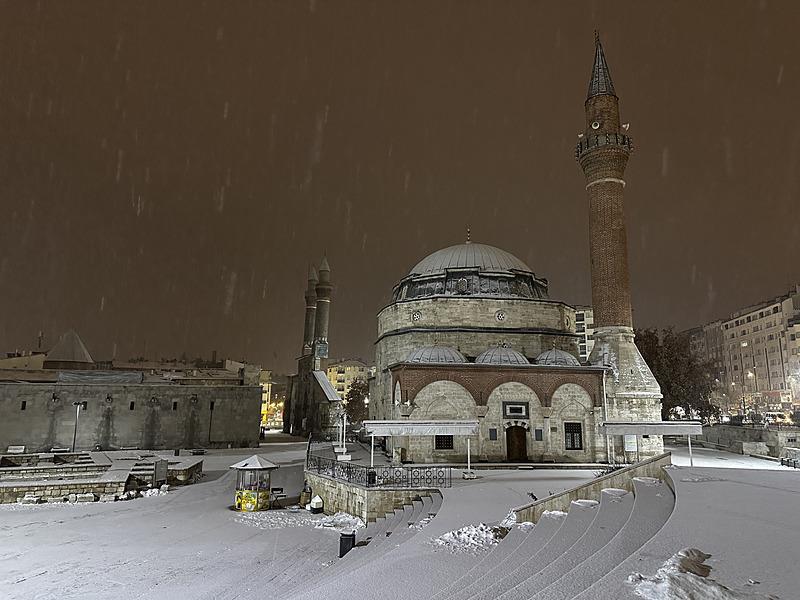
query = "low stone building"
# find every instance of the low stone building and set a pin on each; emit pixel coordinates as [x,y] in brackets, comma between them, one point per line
[145,406]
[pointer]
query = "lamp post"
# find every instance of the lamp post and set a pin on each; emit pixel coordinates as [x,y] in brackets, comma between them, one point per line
[78,406]
[750,383]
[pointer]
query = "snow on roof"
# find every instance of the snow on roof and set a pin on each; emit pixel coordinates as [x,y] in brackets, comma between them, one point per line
[70,348]
[652,427]
[327,386]
[405,427]
[255,462]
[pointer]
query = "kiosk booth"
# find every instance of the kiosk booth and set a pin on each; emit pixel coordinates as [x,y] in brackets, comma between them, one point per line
[253,479]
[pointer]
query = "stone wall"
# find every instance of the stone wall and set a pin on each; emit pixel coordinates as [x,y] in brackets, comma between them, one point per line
[621,479]
[56,491]
[128,416]
[366,503]
[738,439]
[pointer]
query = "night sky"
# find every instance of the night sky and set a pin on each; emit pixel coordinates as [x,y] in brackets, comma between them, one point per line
[169,169]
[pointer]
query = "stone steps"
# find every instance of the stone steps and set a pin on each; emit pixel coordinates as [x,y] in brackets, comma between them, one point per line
[615,509]
[394,531]
[652,506]
[578,519]
[508,545]
[532,542]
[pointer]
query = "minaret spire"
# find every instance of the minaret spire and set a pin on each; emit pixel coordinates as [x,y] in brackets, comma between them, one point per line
[600,83]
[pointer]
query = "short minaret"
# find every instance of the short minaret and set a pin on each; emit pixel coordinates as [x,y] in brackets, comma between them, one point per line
[311,311]
[323,290]
[603,149]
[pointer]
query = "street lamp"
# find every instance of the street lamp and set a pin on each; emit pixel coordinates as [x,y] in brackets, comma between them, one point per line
[78,406]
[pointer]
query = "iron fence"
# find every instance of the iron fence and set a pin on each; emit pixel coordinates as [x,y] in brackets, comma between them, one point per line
[382,475]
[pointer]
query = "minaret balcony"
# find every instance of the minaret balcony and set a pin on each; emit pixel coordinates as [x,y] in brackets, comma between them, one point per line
[591,142]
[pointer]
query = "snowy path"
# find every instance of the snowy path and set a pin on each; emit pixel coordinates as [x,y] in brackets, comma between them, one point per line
[709,457]
[178,545]
[748,520]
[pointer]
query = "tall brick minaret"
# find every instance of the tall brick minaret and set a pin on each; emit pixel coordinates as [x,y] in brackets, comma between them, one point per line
[633,394]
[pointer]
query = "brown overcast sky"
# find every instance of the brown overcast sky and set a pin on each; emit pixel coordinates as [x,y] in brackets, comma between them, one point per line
[169,169]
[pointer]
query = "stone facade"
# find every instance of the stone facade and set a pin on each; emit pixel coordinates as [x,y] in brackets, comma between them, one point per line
[469,324]
[551,397]
[147,416]
[366,503]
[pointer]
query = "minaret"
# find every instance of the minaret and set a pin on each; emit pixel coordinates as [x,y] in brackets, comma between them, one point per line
[603,151]
[633,394]
[311,311]
[323,290]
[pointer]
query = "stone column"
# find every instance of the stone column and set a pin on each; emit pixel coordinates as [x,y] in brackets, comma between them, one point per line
[548,449]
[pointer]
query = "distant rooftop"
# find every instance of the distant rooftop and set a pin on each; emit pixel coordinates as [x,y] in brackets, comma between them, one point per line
[70,348]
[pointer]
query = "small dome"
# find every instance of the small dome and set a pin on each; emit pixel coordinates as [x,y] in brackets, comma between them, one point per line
[501,356]
[436,354]
[557,358]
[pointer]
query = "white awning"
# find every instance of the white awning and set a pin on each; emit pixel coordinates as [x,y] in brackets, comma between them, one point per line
[652,428]
[390,428]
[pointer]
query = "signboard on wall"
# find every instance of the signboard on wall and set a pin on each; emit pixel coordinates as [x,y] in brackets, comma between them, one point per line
[630,443]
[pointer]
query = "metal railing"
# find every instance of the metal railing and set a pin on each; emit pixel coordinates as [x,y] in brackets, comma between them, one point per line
[790,462]
[382,475]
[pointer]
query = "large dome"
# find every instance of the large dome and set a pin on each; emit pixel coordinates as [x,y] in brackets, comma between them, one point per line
[471,270]
[436,354]
[469,255]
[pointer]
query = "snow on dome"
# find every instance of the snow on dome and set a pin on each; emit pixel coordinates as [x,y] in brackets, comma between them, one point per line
[469,255]
[254,462]
[557,358]
[435,354]
[501,356]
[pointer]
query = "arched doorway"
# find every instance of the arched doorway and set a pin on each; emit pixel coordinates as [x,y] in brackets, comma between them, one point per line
[516,444]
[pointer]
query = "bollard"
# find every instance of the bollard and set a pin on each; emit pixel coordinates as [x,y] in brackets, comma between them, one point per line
[346,542]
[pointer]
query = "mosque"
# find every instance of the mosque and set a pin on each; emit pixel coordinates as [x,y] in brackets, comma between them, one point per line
[471,335]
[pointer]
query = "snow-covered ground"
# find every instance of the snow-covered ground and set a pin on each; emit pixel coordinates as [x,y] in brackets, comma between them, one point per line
[189,544]
[184,544]
[709,457]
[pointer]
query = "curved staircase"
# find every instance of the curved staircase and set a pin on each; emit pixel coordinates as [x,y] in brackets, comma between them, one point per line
[561,557]
[372,543]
